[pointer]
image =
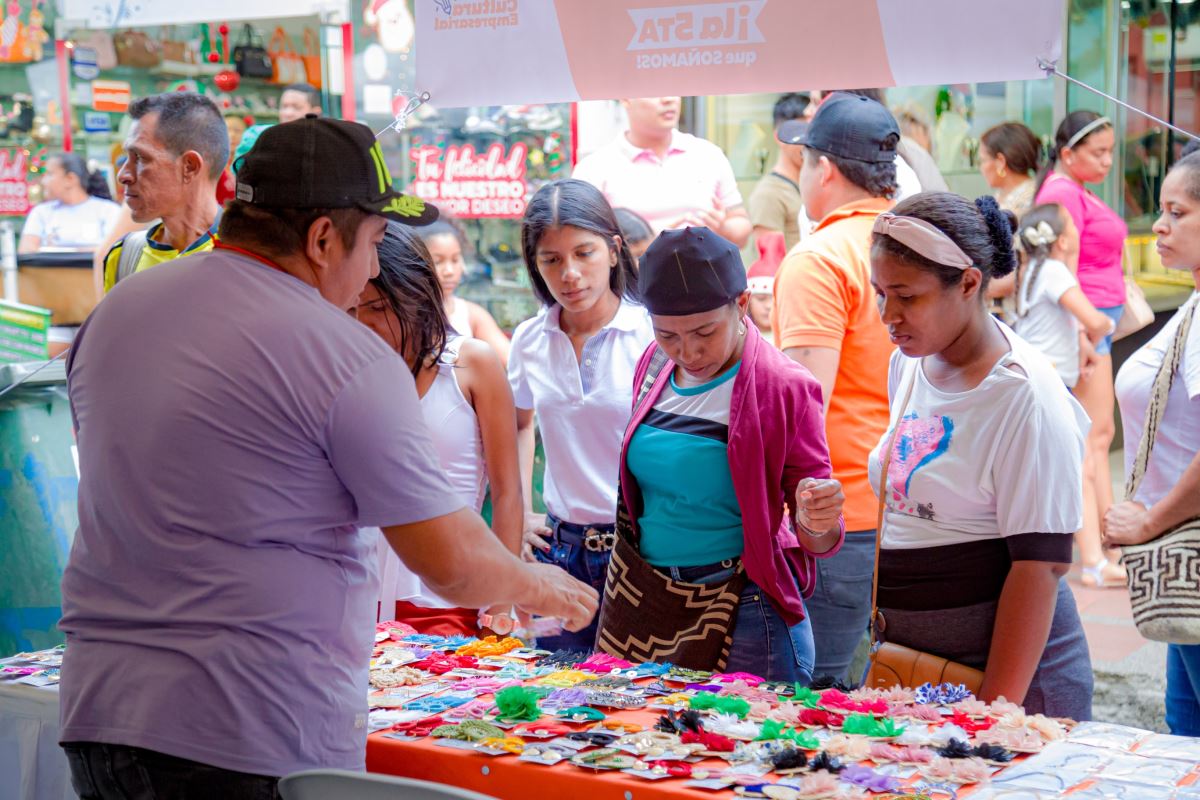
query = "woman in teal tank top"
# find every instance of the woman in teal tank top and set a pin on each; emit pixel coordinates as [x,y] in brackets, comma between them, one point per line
[729,435]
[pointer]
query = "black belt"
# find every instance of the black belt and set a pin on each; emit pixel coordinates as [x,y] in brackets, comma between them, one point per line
[596,538]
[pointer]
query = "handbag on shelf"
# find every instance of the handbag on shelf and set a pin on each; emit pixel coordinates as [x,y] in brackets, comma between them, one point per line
[101,43]
[174,50]
[1161,573]
[250,57]
[286,62]
[894,664]
[312,58]
[137,49]
[648,616]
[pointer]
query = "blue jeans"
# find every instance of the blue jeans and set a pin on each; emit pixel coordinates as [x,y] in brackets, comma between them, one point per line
[763,644]
[589,566]
[1104,346]
[1183,689]
[840,606]
[119,772]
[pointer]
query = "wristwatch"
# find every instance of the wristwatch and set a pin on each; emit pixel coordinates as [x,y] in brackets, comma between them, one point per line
[503,624]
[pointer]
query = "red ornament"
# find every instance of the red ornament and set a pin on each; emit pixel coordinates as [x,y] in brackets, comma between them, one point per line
[223,29]
[227,80]
[213,58]
[249,120]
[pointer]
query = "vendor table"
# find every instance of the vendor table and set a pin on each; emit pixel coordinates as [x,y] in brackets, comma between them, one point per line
[32,765]
[58,281]
[506,777]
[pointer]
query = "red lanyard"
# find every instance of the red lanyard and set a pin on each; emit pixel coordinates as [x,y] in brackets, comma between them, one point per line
[248,254]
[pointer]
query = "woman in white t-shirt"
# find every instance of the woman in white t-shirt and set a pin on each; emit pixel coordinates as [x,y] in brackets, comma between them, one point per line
[983,485]
[1053,314]
[467,407]
[78,211]
[1170,492]
[572,365]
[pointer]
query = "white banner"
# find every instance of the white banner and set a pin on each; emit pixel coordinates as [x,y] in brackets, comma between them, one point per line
[114,14]
[493,52]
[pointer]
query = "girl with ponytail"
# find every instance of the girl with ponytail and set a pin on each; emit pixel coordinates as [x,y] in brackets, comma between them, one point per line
[1083,154]
[78,212]
[983,461]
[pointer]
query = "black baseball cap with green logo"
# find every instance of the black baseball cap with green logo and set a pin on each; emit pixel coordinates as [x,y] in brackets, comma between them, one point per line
[317,162]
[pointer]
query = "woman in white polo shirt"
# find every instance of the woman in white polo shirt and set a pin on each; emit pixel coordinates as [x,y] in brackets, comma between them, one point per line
[572,366]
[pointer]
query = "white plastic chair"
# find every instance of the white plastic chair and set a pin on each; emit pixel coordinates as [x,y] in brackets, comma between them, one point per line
[339,784]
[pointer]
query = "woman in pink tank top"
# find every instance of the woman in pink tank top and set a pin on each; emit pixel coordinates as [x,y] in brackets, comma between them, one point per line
[1083,154]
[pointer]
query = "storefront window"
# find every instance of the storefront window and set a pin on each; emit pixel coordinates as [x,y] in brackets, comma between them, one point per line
[1147,29]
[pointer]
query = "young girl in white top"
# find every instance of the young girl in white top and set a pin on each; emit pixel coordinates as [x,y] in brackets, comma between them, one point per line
[445,245]
[1054,315]
[573,366]
[983,483]
[468,410]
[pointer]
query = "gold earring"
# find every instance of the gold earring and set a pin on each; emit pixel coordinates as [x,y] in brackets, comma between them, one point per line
[1002,172]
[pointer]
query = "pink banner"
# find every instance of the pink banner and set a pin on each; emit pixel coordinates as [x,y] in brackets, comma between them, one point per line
[491,52]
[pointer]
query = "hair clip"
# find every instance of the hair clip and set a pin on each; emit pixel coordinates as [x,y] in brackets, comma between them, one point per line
[869,779]
[489,646]
[564,698]
[603,663]
[594,738]
[581,714]
[475,709]
[471,730]
[942,694]
[419,728]
[436,705]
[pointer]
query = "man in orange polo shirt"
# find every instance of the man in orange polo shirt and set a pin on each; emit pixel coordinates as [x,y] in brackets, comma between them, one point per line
[825,318]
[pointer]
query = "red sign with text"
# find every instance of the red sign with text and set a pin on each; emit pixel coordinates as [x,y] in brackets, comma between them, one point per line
[471,185]
[14,189]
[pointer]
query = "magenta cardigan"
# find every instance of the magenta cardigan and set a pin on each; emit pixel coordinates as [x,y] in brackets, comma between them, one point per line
[776,439]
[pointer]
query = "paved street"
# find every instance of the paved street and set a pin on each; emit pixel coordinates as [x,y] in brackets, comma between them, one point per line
[1130,671]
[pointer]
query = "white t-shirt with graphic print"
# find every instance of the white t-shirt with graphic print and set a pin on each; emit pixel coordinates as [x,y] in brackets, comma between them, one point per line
[1002,459]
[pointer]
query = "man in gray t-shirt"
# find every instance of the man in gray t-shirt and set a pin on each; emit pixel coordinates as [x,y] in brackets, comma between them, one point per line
[236,427]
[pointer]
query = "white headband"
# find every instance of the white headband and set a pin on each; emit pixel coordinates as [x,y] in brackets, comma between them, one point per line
[1098,122]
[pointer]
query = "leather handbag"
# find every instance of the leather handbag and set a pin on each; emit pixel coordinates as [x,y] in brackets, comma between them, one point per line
[250,57]
[312,58]
[175,51]
[136,49]
[285,61]
[101,43]
[1136,314]
[894,664]
[646,615]
[1163,590]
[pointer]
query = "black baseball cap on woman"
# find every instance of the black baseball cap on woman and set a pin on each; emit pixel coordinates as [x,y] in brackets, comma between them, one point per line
[325,163]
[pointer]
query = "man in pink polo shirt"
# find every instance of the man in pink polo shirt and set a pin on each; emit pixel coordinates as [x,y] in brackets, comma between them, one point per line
[673,179]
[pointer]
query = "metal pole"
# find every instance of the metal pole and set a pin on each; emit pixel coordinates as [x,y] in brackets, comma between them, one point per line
[1168,156]
[1051,68]
[8,260]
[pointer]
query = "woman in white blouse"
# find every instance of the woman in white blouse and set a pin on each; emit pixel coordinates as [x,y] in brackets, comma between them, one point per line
[572,365]
[1170,492]
[983,485]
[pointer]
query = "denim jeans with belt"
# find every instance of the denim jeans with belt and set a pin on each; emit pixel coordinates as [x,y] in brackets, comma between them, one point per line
[120,772]
[763,644]
[840,606]
[567,550]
